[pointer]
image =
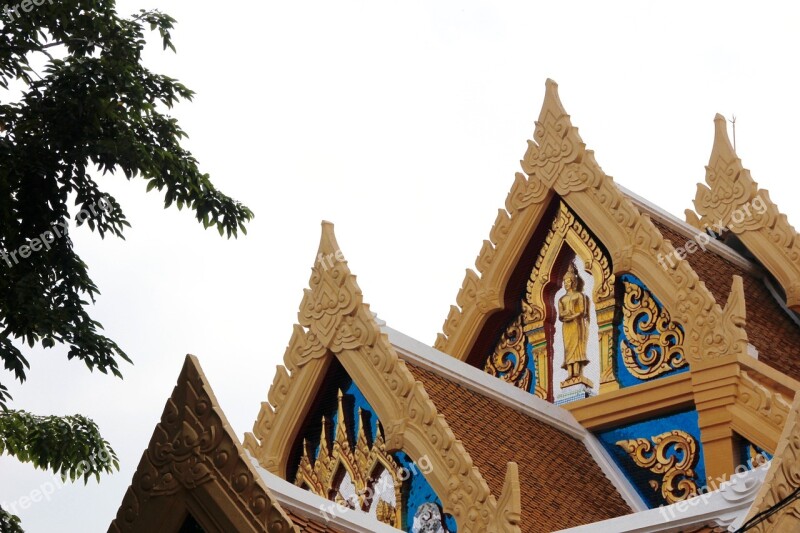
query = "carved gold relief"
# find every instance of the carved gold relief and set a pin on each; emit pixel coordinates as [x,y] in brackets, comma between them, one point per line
[653,343]
[676,469]
[573,312]
[362,462]
[193,451]
[768,405]
[510,360]
[631,239]
[407,410]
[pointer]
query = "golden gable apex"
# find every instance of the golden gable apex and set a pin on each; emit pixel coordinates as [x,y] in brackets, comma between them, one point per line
[732,199]
[194,461]
[557,163]
[334,322]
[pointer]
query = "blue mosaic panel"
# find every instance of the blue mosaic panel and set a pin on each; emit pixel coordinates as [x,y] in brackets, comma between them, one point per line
[416,489]
[624,376]
[643,478]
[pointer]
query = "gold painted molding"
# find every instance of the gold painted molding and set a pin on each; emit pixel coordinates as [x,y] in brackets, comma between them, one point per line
[782,479]
[759,413]
[729,196]
[558,163]
[195,463]
[334,322]
[634,403]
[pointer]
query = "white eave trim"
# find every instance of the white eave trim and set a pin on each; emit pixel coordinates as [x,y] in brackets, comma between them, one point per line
[469,377]
[726,507]
[307,504]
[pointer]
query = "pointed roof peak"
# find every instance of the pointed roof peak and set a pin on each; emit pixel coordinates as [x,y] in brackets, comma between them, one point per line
[192,411]
[722,143]
[552,102]
[327,240]
[555,144]
[332,307]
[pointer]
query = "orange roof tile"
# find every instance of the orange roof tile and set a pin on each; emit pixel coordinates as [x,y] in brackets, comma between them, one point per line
[561,485]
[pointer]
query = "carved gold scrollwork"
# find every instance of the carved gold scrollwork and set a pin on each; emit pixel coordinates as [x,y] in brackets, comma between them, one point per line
[653,343]
[363,463]
[673,455]
[510,359]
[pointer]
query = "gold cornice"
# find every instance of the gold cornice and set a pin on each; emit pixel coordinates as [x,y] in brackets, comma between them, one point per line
[730,191]
[774,379]
[760,412]
[194,462]
[782,479]
[557,163]
[335,322]
[627,405]
[734,395]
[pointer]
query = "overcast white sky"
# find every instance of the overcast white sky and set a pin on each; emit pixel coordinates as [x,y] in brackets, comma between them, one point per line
[403,123]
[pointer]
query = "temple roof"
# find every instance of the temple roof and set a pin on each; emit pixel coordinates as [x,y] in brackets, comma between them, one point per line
[195,465]
[561,485]
[772,328]
[505,460]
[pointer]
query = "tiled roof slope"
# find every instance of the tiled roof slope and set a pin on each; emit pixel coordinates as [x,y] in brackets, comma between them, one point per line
[306,525]
[769,328]
[561,485]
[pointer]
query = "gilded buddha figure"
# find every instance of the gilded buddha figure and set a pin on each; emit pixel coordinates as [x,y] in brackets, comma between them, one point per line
[573,312]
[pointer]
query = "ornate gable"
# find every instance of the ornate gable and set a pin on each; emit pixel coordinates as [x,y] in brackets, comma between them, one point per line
[732,201]
[335,323]
[667,323]
[195,471]
[557,164]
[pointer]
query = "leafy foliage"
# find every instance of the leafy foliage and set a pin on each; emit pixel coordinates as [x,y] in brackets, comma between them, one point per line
[95,107]
[71,446]
[77,104]
[9,523]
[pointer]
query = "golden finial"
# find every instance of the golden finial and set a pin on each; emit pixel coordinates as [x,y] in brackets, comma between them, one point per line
[341,427]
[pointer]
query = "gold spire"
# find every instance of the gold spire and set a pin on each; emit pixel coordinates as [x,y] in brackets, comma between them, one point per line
[341,425]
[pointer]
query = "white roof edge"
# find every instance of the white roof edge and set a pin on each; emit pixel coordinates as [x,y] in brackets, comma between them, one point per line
[726,507]
[476,380]
[471,378]
[307,504]
[690,232]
